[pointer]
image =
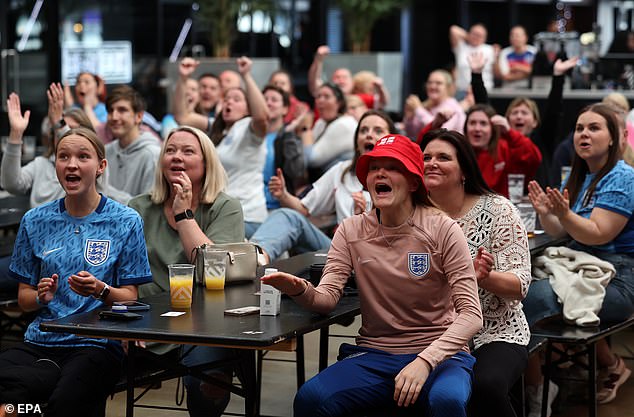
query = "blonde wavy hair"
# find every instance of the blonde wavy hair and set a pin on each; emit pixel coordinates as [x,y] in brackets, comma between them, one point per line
[215,180]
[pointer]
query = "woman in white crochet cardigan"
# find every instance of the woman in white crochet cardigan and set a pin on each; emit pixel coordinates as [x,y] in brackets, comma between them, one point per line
[499,245]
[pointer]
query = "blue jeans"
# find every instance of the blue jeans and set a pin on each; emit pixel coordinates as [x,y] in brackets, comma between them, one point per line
[363,379]
[198,404]
[618,303]
[250,228]
[286,229]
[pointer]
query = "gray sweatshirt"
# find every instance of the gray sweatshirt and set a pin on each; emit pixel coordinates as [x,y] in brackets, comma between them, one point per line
[131,169]
[40,179]
[38,176]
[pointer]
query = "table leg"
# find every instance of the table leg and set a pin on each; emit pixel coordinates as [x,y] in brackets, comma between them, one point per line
[592,383]
[247,369]
[129,406]
[546,372]
[299,362]
[323,348]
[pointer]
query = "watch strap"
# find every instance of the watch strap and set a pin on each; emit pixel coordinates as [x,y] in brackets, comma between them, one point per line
[187,214]
[104,292]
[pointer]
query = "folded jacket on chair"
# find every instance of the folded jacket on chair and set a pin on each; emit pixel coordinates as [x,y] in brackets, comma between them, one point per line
[579,280]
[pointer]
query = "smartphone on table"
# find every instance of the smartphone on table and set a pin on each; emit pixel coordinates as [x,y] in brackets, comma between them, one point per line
[133,305]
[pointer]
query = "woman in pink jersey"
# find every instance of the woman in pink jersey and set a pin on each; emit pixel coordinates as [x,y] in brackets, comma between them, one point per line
[419,301]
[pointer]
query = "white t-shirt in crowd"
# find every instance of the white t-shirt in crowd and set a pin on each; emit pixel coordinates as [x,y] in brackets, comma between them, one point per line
[463,70]
[330,194]
[242,154]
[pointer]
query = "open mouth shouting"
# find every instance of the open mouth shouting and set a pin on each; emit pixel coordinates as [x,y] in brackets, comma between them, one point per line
[519,126]
[72,181]
[382,189]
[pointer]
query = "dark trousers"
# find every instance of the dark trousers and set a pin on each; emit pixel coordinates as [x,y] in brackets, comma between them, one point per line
[498,366]
[363,380]
[72,381]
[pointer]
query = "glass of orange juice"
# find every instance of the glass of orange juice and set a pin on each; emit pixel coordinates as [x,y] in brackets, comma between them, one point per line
[215,266]
[181,278]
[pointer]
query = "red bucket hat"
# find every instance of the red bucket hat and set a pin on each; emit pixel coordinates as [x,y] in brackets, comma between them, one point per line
[396,147]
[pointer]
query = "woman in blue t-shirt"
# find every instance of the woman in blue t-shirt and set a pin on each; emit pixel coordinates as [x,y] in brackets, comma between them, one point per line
[595,210]
[72,255]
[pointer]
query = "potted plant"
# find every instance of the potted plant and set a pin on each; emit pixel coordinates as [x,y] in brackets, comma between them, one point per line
[222,17]
[361,15]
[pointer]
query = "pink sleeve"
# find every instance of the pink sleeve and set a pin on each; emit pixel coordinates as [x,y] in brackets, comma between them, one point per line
[458,266]
[323,298]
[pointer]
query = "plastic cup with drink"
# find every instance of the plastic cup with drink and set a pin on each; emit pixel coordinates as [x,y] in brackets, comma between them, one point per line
[529,217]
[215,266]
[516,187]
[181,278]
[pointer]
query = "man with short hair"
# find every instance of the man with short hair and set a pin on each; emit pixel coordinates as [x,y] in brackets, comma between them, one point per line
[210,94]
[515,63]
[133,155]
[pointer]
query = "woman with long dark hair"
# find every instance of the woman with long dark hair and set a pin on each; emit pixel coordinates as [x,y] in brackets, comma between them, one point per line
[502,263]
[595,208]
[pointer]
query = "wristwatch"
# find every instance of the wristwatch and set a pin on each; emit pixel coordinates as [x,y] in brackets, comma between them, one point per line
[104,292]
[187,214]
[60,124]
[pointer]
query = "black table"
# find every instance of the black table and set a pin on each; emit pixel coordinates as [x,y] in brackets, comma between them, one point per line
[12,208]
[206,324]
[539,242]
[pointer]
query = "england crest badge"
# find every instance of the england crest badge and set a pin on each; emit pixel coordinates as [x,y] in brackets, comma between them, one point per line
[96,251]
[418,264]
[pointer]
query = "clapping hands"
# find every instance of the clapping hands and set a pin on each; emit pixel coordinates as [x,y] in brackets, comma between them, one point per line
[551,201]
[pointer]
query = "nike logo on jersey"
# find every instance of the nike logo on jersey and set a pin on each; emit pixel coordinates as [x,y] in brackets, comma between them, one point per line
[48,252]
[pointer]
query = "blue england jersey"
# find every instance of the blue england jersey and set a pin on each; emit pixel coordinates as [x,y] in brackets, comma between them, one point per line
[108,243]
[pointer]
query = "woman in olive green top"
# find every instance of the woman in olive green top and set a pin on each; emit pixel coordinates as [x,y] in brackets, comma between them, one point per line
[187,204]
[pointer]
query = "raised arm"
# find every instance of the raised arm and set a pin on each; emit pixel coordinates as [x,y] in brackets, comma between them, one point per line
[477,61]
[316,69]
[551,117]
[383,95]
[182,114]
[17,120]
[255,99]
[14,178]
[456,35]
